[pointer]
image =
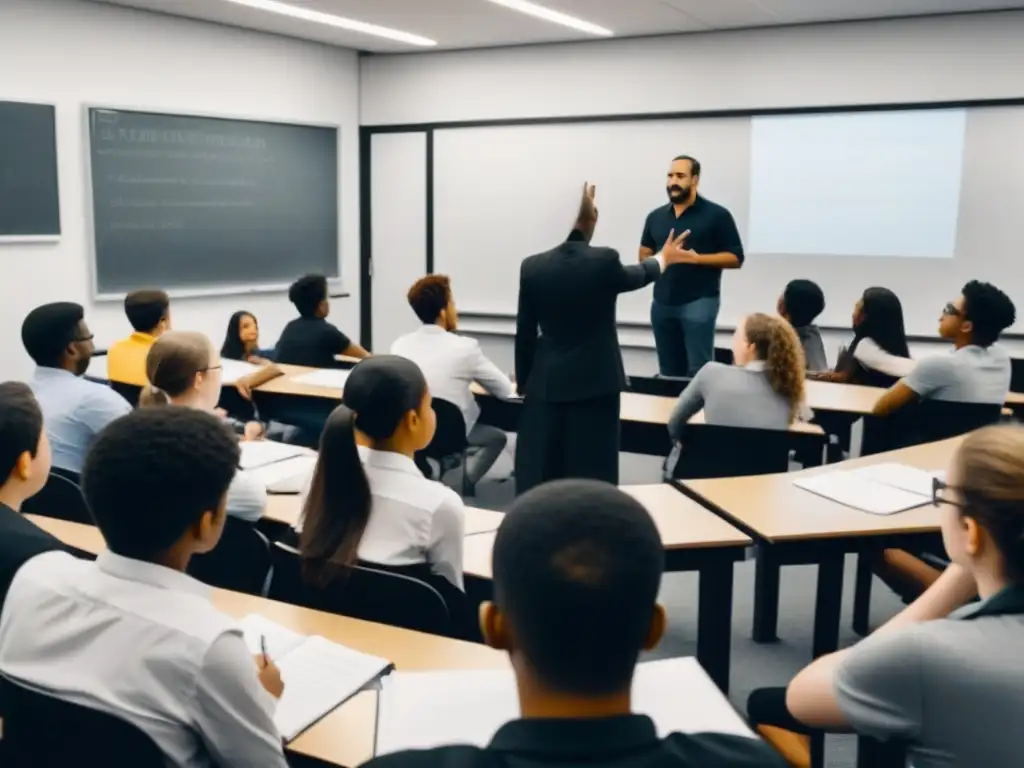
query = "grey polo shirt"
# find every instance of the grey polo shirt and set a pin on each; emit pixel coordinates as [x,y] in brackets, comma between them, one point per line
[971,374]
[953,689]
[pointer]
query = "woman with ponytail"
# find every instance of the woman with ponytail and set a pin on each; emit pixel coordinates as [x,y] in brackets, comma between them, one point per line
[763,389]
[183,369]
[943,676]
[367,501]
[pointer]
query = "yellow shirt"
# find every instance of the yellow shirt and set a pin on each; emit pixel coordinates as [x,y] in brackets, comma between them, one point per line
[126,359]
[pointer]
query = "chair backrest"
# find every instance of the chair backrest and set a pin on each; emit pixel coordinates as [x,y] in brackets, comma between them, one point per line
[60,498]
[240,561]
[662,386]
[39,730]
[715,451]
[1016,374]
[129,392]
[723,355]
[926,422]
[363,593]
[450,437]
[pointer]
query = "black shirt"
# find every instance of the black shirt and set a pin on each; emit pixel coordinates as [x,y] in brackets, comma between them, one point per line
[310,341]
[712,230]
[628,741]
[20,541]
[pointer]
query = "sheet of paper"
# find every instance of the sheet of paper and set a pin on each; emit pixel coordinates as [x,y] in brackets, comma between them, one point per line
[852,491]
[421,710]
[901,476]
[260,453]
[280,640]
[324,377]
[232,370]
[290,476]
[318,676]
[97,369]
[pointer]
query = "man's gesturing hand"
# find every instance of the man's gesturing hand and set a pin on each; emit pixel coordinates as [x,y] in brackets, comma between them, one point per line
[674,252]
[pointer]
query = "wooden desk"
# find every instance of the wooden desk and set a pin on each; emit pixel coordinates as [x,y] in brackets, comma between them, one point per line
[694,540]
[793,526]
[345,737]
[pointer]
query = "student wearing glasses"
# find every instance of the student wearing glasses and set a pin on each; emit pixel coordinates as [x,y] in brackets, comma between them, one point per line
[977,371]
[944,676]
[184,369]
[57,338]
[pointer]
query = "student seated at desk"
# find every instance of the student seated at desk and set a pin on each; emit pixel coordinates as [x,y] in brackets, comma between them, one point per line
[800,304]
[977,371]
[184,370]
[131,634]
[450,364]
[943,676]
[879,354]
[763,389]
[367,500]
[577,567]
[242,340]
[149,312]
[74,409]
[309,339]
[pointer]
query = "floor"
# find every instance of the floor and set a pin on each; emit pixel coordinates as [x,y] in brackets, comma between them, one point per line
[753,665]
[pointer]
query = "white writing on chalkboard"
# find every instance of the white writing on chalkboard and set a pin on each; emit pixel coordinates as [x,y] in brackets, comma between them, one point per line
[191,138]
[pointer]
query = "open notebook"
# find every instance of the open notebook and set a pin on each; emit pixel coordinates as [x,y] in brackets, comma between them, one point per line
[880,489]
[260,453]
[324,377]
[318,675]
[423,710]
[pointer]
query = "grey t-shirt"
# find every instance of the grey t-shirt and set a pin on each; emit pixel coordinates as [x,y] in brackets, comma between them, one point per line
[971,374]
[814,348]
[952,689]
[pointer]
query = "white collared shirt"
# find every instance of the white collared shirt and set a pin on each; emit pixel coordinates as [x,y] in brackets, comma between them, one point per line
[145,643]
[413,520]
[450,363]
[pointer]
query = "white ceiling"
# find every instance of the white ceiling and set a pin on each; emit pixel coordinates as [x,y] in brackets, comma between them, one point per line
[479,23]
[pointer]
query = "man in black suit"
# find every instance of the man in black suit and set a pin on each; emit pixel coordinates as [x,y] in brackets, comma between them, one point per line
[568,362]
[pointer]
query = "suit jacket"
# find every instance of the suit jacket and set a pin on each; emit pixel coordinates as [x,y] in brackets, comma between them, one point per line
[567,344]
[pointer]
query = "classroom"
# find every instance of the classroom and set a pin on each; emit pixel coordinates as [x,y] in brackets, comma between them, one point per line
[358,338]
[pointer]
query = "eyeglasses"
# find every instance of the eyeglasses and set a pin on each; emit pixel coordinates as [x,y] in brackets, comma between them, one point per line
[951,310]
[83,339]
[940,495]
[212,368]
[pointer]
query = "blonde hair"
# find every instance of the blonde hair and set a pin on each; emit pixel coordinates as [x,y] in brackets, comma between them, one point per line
[990,466]
[172,364]
[776,343]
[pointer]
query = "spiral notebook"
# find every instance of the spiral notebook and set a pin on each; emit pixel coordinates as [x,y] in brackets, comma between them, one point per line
[318,675]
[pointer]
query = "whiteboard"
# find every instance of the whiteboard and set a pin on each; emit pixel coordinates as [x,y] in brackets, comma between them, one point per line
[504,193]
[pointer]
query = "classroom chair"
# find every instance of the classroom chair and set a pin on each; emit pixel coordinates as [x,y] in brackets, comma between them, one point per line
[241,560]
[925,422]
[1016,374]
[363,593]
[723,355]
[129,392]
[61,498]
[658,385]
[449,446]
[715,451]
[40,730]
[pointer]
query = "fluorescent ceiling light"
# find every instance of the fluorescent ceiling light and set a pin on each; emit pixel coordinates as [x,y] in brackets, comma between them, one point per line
[555,17]
[273,6]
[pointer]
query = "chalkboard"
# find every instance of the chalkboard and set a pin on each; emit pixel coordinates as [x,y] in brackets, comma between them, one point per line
[185,202]
[29,197]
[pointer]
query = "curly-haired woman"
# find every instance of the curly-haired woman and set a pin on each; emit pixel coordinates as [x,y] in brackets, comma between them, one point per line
[764,389]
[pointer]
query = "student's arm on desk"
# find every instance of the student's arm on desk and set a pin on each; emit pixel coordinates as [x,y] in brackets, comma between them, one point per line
[689,403]
[526,334]
[246,384]
[928,376]
[489,376]
[247,497]
[356,351]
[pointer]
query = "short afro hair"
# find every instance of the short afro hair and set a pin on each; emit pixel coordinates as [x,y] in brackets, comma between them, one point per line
[307,292]
[151,474]
[804,301]
[21,425]
[990,311]
[577,567]
[49,329]
[145,309]
[429,296]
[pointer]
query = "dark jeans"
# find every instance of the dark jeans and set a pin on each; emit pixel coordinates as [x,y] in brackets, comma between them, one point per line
[684,335]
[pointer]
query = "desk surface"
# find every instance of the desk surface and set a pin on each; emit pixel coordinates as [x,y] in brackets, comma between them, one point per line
[345,737]
[776,509]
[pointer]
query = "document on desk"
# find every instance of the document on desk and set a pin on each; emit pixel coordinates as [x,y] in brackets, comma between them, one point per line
[422,710]
[851,490]
[232,370]
[288,476]
[318,675]
[325,377]
[901,476]
[260,453]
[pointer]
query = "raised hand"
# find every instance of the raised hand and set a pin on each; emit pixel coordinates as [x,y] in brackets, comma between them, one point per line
[588,206]
[675,252]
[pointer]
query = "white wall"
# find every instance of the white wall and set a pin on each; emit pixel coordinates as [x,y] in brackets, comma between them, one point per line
[70,53]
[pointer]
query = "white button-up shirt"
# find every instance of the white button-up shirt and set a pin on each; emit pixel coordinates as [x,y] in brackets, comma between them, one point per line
[450,363]
[145,643]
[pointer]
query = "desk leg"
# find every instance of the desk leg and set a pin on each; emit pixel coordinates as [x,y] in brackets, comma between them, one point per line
[714,621]
[827,604]
[862,594]
[766,595]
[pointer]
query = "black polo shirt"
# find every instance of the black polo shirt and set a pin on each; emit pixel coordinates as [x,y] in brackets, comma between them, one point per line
[628,741]
[310,341]
[712,230]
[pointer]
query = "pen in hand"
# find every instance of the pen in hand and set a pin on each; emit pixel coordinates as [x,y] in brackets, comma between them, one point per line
[263,649]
